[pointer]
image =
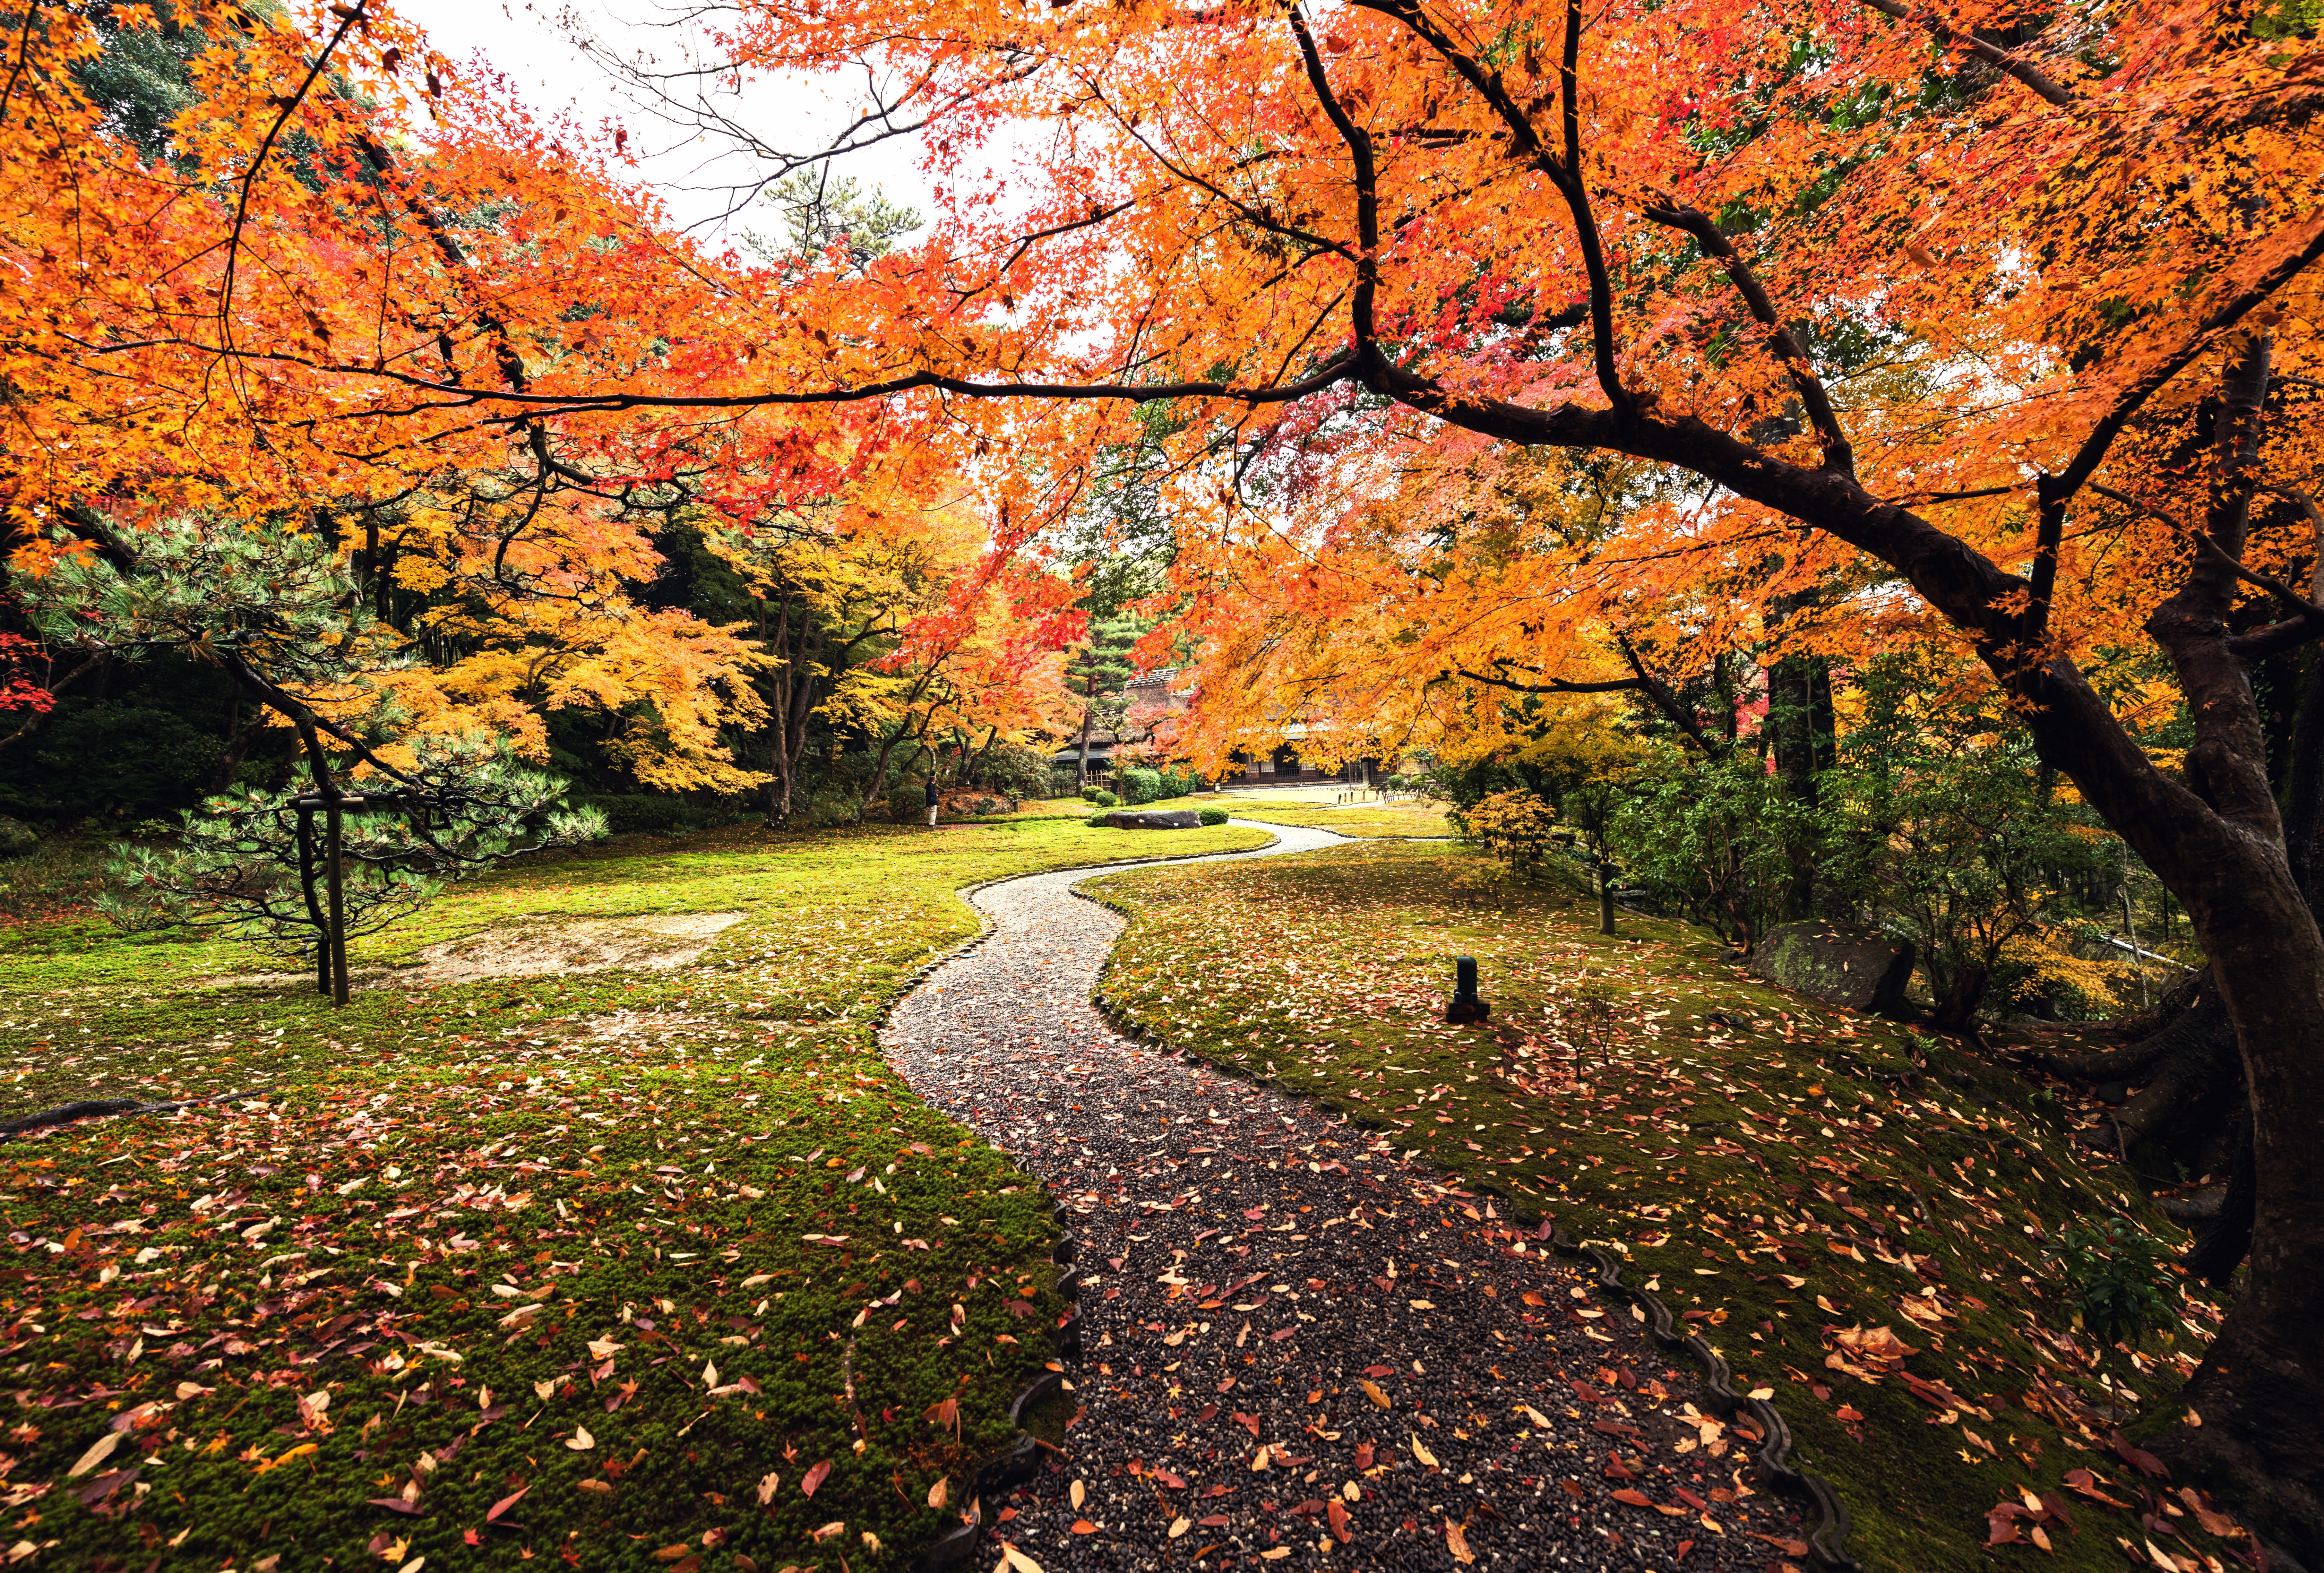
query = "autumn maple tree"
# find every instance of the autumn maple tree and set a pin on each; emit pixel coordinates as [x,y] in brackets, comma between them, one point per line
[1996,326]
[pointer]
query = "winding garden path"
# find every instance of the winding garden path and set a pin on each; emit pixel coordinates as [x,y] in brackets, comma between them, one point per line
[1300,1346]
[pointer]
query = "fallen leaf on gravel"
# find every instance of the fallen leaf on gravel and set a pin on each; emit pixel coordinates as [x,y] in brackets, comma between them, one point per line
[1458,1544]
[1081,1526]
[1179,1526]
[1788,1548]
[1423,1454]
[1217,1521]
[1539,1419]
[1277,1555]
[1079,1494]
[1338,1516]
[1010,1557]
[1372,1391]
[1423,1304]
[1634,1498]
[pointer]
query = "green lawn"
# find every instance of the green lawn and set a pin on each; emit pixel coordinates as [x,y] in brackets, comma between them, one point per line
[610,1267]
[1365,820]
[1789,1180]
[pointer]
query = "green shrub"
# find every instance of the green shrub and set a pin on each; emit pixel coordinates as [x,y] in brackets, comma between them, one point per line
[1142,784]
[2111,1271]
[1214,816]
[1101,797]
[1095,821]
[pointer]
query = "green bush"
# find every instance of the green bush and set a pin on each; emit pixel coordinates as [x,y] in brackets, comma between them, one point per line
[1095,821]
[1100,796]
[2111,1271]
[1214,816]
[1140,784]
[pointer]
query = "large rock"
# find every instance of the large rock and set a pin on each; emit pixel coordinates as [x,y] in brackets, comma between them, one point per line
[1152,819]
[17,840]
[1863,971]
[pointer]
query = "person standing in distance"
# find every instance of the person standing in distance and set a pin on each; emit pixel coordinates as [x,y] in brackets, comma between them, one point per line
[934,800]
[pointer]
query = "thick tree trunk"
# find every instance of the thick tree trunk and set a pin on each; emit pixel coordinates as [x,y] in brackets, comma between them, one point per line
[1800,723]
[2260,1388]
[1956,1011]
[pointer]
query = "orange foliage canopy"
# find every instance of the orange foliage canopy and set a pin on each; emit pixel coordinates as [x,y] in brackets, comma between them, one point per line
[363,295]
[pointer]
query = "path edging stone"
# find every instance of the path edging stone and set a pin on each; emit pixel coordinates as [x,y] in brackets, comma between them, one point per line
[1018,1461]
[1828,1541]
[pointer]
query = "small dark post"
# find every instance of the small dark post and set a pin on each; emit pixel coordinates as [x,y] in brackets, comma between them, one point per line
[1605,896]
[1466,1005]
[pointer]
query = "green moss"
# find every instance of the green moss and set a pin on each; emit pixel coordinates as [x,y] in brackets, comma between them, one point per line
[717,1151]
[1777,1178]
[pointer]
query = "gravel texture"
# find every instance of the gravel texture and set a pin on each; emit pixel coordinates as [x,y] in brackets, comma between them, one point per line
[1284,1315]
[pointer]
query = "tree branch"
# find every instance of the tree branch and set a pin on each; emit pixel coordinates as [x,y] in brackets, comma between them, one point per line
[1367,183]
[2008,64]
[354,15]
[2227,314]
[1837,453]
[2202,539]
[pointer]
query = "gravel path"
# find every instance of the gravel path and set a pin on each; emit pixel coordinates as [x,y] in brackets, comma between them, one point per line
[1292,1331]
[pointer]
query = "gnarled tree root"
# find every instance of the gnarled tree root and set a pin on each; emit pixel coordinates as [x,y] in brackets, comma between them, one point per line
[2191,1009]
[101,1108]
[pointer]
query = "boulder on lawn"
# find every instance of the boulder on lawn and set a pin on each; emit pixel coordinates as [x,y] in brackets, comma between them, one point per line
[1153,819]
[1863,970]
[17,840]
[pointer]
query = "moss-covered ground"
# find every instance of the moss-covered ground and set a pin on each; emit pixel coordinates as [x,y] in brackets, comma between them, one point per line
[1858,1217]
[625,1269]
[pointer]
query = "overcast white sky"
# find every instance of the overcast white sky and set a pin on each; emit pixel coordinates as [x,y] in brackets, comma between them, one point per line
[523,40]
